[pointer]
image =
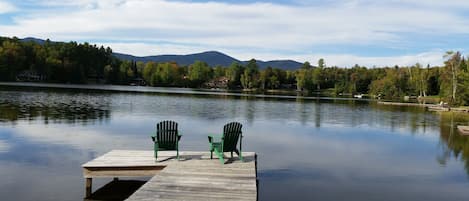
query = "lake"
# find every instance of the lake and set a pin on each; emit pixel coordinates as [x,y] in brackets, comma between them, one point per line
[308,149]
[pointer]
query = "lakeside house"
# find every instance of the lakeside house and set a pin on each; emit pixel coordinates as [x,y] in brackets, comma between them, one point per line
[138,82]
[221,83]
[30,76]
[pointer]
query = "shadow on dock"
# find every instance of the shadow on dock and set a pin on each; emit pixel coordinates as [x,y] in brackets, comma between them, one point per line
[115,190]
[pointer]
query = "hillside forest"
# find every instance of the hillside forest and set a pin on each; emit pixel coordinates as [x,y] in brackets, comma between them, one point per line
[82,63]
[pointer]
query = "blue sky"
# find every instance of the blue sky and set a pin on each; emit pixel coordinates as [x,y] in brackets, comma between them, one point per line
[344,32]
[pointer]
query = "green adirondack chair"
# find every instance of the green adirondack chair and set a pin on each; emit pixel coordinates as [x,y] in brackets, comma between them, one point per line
[167,137]
[227,141]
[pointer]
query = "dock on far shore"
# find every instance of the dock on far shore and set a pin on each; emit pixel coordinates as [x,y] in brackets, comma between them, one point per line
[430,107]
[406,104]
[463,130]
[194,177]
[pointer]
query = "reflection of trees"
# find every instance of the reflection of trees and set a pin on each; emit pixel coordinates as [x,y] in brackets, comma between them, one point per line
[317,114]
[79,106]
[56,114]
[52,111]
[250,109]
[397,117]
[452,143]
[302,111]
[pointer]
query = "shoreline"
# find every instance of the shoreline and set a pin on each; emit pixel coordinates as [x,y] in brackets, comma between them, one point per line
[196,91]
[166,90]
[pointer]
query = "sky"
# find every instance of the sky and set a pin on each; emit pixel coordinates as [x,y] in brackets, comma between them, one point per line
[343,32]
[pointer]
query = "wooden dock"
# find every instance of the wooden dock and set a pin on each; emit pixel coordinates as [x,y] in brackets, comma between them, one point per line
[406,104]
[194,177]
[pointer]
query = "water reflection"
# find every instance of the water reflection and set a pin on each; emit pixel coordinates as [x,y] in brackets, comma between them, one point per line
[52,107]
[92,107]
[308,149]
[453,145]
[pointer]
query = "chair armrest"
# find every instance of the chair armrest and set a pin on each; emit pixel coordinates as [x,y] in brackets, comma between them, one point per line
[179,135]
[153,138]
[213,137]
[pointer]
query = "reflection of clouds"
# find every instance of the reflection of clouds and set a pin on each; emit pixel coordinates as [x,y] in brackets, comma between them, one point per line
[358,190]
[427,135]
[356,148]
[88,138]
[25,182]
[4,146]
[420,133]
[347,153]
[337,149]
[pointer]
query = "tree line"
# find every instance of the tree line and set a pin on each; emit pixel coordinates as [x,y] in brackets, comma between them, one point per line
[52,61]
[82,63]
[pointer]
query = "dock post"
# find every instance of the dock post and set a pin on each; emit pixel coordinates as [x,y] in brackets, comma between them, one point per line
[257,180]
[88,183]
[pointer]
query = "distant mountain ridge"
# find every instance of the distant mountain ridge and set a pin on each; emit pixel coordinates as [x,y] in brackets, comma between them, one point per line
[31,39]
[212,58]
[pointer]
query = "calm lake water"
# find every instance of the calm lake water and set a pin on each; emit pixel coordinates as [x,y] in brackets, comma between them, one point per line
[307,149]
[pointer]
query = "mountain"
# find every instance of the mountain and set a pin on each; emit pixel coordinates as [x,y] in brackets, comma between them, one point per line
[31,39]
[282,64]
[212,58]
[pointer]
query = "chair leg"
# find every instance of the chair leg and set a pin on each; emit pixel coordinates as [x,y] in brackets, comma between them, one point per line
[222,160]
[231,154]
[177,154]
[241,148]
[240,154]
[155,148]
[220,156]
[211,154]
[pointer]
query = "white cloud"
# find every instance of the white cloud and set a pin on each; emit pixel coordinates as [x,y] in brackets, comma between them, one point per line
[432,58]
[433,4]
[348,60]
[256,29]
[6,7]
[145,49]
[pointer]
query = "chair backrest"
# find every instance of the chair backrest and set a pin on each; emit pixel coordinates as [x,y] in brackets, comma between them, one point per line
[167,134]
[231,134]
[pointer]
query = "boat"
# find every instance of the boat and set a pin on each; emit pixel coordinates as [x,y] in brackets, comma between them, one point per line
[438,108]
[358,96]
[441,107]
[463,130]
